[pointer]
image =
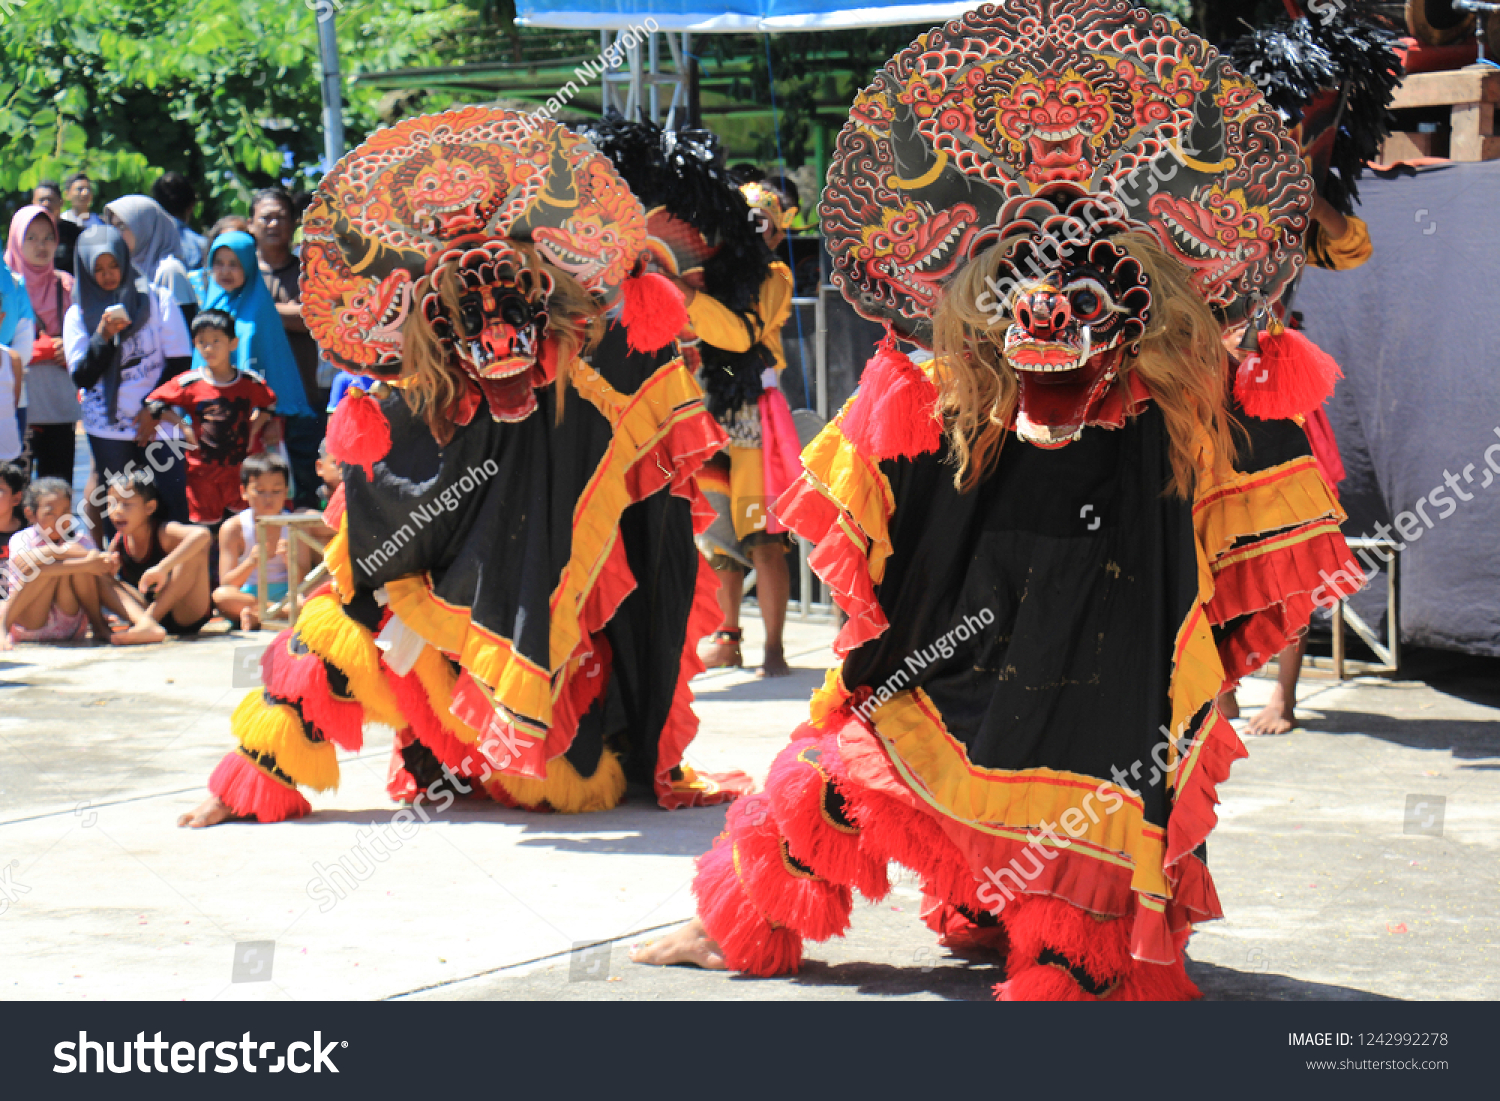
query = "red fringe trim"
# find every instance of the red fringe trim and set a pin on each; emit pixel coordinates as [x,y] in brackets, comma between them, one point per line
[749,942]
[1272,590]
[1035,922]
[837,560]
[957,932]
[952,858]
[894,826]
[810,905]
[426,728]
[304,679]
[585,686]
[248,791]
[795,788]
[1193,815]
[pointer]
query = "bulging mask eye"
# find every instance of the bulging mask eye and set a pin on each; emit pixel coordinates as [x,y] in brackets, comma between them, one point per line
[471,315]
[515,311]
[1087,306]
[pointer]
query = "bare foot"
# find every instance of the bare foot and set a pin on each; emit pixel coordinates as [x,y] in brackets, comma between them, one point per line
[1275,718]
[140,635]
[210,812]
[1229,705]
[248,620]
[689,943]
[775,664]
[721,650]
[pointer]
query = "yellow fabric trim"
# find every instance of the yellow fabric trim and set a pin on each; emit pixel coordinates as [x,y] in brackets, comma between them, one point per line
[668,398]
[332,635]
[565,791]
[1284,496]
[521,686]
[1012,803]
[336,558]
[275,729]
[1256,550]
[857,485]
[641,421]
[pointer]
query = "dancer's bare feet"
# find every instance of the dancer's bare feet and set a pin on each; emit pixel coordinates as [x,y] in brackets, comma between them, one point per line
[689,943]
[139,635]
[721,650]
[249,621]
[775,665]
[210,812]
[1229,705]
[1275,718]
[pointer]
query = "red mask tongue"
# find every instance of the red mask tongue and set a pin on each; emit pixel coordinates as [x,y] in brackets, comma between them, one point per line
[1051,408]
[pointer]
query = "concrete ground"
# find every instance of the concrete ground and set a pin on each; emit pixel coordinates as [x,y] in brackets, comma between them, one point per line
[1356,858]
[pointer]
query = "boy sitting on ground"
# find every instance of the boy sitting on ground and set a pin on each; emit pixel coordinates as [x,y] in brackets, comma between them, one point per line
[56,577]
[263,484]
[229,407]
[160,567]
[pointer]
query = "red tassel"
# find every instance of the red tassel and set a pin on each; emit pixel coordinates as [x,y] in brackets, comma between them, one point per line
[1290,377]
[653,312]
[248,791]
[895,415]
[358,433]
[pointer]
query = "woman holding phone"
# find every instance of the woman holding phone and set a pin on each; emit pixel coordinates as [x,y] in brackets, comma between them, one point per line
[121,338]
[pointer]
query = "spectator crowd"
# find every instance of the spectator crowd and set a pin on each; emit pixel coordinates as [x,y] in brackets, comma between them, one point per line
[181,363]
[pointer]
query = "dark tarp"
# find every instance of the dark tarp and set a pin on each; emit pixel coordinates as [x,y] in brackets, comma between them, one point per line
[1417,332]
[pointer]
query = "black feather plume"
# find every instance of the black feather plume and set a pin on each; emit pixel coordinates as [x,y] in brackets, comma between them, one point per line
[1352,51]
[684,171]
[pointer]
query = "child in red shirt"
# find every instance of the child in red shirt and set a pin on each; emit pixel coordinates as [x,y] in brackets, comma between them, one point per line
[229,408]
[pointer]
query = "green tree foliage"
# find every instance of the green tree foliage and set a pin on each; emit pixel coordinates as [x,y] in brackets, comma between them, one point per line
[224,91]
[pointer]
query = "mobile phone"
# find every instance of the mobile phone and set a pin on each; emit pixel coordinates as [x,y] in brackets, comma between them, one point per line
[116,312]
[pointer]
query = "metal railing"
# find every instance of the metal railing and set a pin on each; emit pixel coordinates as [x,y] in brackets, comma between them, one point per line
[1389,650]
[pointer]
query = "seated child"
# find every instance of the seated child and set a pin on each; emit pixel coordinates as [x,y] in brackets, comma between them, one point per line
[55,575]
[160,567]
[229,407]
[264,479]
[13,515]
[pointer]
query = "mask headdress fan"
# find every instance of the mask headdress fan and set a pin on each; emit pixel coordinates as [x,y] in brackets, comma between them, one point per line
[1063,123]
[466,221]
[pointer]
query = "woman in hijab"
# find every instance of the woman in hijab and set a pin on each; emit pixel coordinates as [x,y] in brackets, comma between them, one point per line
[17,330]
[155,247]
[122,338]
[235,286]
[52,399]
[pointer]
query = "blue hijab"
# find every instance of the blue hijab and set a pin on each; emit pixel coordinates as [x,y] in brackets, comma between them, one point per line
[263,345]
[16,304]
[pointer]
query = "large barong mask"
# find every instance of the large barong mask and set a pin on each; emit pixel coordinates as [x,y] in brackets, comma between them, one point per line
[1013,100]
[485,200]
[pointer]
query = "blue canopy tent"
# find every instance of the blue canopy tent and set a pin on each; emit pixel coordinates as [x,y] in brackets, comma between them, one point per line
[733,17]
